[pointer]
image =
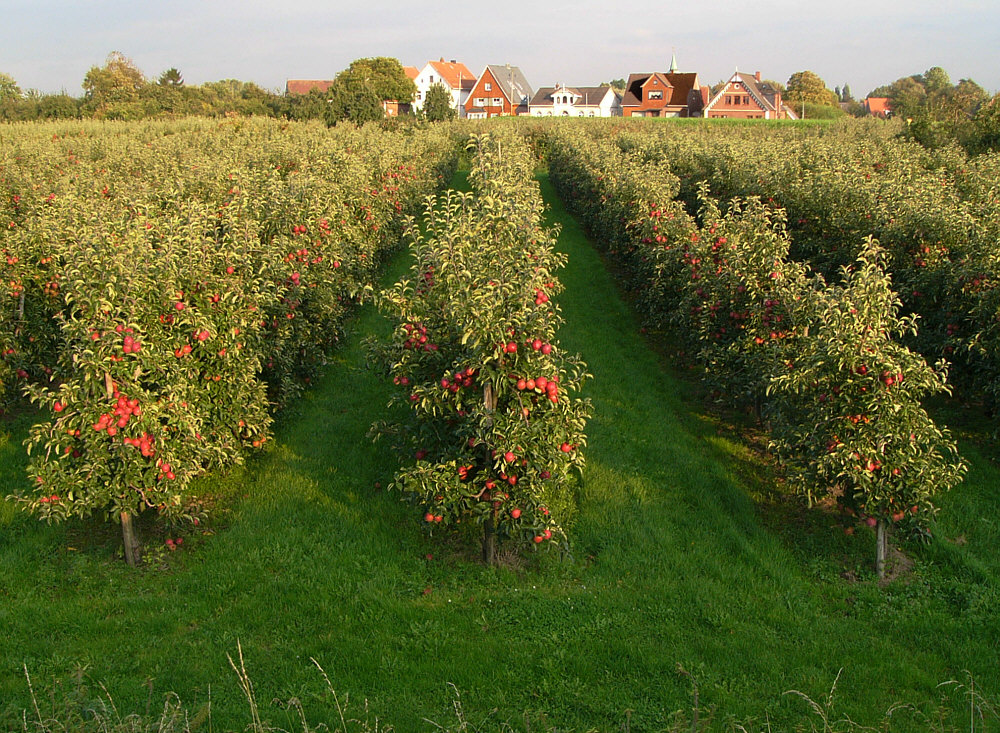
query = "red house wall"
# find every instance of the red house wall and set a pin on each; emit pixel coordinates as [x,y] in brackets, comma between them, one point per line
[479,91]
[732,105]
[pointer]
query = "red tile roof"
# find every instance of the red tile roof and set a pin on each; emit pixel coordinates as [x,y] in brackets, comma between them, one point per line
[412,72]
[878,106]
[304,86]
[455,74]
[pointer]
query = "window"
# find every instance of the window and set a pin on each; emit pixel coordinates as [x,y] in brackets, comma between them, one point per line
[431,77]
[655,94]
[746,100]
[729,100]
[497,101]
[480,101]
[488,87]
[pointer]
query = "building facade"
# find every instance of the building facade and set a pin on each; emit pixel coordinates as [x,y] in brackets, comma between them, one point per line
[746,97]
[499,90]
[564,101]
[455,77]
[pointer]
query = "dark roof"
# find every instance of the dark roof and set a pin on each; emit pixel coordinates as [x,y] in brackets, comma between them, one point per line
[515,87]
[679,83]
[764,93]
[589,95]
[683,83]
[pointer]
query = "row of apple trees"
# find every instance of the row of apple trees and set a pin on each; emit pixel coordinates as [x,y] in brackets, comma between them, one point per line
[495,431]
[820,361]
[165,286]
[936,214]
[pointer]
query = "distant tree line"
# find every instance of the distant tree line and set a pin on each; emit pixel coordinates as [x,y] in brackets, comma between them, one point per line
[118,90]
[938,112]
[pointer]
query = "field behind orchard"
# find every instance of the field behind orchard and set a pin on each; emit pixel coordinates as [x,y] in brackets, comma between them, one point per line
[690,563]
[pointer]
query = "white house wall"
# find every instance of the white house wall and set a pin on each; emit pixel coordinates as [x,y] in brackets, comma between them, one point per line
[427,78]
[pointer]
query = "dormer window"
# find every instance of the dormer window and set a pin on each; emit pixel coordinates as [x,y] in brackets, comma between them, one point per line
[655,94]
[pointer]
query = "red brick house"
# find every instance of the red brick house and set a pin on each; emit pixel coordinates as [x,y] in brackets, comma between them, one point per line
[500,90]
[663,94]
[746,97]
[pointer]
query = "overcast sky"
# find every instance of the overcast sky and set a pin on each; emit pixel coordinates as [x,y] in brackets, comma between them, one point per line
[50,44]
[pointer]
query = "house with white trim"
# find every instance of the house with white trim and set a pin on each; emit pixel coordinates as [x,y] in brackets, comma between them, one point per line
[746,97]
[564,101]
[500,90]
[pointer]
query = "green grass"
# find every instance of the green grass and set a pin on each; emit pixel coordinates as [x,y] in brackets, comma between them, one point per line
[684,553]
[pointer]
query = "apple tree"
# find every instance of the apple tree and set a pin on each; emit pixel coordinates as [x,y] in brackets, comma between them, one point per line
[497,433]
[848,422]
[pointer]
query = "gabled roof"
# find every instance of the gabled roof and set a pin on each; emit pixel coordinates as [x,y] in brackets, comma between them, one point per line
[412,72]
[454,74]
[763,94]
[659,78]
[304,86]
[680,85]
[512,82]
[585,95]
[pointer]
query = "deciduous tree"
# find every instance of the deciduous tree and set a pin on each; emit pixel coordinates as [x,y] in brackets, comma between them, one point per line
[805,86]
[437,104]
[9,90]
[113,89]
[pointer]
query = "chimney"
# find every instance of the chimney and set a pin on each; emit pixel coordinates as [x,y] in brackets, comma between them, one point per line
[441,60]
[756,75]
[454,61]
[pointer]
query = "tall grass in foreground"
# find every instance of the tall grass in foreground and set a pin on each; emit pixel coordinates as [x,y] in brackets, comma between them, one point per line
[81,708]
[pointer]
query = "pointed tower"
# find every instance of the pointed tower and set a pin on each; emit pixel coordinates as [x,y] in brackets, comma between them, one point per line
[673,63]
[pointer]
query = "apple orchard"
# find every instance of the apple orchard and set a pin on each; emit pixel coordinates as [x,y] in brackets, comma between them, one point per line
[169,286]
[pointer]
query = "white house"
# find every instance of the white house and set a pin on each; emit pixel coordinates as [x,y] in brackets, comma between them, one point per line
[564,101]
[453,76]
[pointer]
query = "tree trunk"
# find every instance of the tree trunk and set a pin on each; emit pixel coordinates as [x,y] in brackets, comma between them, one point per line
[881,548]
[490,540]
[130,540]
